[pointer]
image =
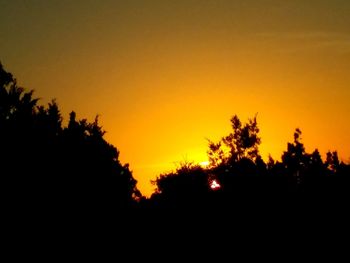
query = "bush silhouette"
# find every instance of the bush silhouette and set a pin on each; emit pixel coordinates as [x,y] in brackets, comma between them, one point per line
[44,165]
[247,183]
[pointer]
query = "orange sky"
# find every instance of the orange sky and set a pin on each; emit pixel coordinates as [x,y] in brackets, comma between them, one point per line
[166,75]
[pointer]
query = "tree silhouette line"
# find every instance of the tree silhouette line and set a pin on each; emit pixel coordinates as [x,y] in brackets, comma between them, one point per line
[45,165]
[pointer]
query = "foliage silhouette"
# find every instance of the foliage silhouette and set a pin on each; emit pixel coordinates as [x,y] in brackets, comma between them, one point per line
[46,166]
[301,180]
[187,187]
[242,143]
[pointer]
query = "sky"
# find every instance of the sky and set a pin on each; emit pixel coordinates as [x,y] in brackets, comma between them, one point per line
[165,76]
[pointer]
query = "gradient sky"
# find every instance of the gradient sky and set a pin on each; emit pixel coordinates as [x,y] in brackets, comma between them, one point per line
[166,75]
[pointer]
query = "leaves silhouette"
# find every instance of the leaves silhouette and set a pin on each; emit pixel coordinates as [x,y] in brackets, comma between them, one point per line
[46,166]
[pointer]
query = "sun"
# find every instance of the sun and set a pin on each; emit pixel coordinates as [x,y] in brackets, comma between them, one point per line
[214,185]
[204,164]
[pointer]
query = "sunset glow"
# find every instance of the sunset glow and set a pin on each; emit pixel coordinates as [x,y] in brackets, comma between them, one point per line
[204,164]
[165,76]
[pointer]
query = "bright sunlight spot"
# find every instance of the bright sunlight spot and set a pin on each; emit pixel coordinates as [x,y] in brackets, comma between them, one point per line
[214,185]
[204,164]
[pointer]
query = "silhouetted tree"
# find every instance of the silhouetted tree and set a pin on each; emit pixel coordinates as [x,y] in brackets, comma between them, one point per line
[235,160]
[242,143]
[216,154]
[295,158]
[46,165]
[187,187]
[332,161]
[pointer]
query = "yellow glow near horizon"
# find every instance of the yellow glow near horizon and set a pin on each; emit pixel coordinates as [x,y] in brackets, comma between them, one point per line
[204,164]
